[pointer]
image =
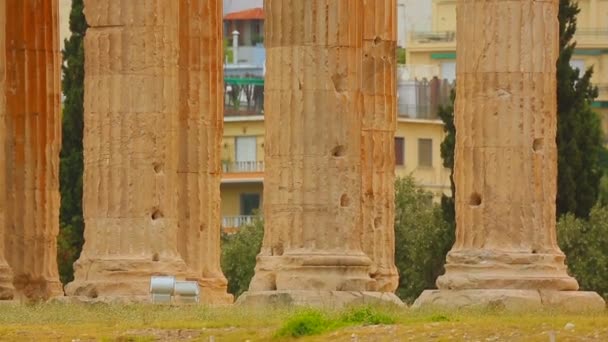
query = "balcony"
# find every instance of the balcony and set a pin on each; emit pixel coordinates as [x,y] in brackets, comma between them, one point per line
[603,91]
[421,99]
[437,40]
[591,38]
[232,223]
[243,167]
[243,97]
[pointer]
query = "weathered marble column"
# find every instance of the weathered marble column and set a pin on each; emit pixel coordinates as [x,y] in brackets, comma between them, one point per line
[379,121]
[201,124]
[312,251]
[31,139]
[506,250]
[6,274]
[130,148]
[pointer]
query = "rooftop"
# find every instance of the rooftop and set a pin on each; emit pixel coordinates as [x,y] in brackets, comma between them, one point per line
[249,14]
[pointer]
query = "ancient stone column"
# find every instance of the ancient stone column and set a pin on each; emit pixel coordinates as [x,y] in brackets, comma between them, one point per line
[506,250]
[154,121]
[6,274]
[312,251]
[130,148]
[201,124]
[379,121]
[31,138]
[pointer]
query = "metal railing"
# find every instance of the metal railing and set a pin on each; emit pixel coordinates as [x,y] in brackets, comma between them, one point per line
[591,34]
[237,221]
[243,96]
[433,36]
[421,99]
[243,166]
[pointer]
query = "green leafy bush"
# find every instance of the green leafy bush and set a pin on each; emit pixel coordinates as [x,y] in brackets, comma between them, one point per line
[309,322]
[239,252]
[306,323]
[422,239]
[585,243]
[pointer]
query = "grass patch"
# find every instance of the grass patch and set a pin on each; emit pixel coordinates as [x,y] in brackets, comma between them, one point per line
[101,322]
[310,322]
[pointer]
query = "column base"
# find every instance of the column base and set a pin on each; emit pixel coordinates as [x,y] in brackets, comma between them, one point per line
[29,290]
[129,278]
[214,292]
[7,290]
[488,269]
[325,299]
[509,299]
[312,272]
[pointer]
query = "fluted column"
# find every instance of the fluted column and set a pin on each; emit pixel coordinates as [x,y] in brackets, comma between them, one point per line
[201,122]
[313,177]
[32,137]
[379,121]
[6,274]
[130,148]
[506,160]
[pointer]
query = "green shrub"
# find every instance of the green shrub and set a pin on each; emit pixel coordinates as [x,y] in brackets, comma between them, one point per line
[400,56]
[366,315]
[585,243]
[306,323]
[422,239]
[239,253]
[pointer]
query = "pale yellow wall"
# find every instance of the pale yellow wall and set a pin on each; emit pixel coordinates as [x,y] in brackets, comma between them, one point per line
[242,129]
[594,14]
[444,15]
[231,196]
[436,178]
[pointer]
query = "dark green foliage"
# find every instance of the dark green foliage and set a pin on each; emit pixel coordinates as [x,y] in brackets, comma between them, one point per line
[446,113]
[579,135]
[584,242]
[239,252]
[400,56]
[422,238]
[70,237]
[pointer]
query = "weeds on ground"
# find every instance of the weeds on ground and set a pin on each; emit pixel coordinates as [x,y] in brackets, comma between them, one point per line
[310,322]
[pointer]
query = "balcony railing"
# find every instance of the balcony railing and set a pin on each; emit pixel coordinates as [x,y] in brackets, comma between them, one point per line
[425,37]
[244,96]
[421,99]
[591,34]
[237,221]
[243,167]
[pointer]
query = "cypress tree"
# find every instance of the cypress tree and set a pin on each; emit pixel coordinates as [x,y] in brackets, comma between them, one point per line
[579,134]
[70,239]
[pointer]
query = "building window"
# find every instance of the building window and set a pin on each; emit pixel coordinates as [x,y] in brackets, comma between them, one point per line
[448,71]
[249,204]
[246,149]
[399,151]
[425,152]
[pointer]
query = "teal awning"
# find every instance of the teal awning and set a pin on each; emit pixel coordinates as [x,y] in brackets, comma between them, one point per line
[244,81]
[443,55]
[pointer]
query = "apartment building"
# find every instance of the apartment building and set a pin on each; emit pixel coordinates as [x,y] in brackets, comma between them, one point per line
[433,53]
[417,149]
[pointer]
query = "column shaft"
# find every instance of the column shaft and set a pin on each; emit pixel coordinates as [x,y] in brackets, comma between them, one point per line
[33,136]
[130,148]
[201,121]
[379,120]
[506,151]
[6,275]
[312,183]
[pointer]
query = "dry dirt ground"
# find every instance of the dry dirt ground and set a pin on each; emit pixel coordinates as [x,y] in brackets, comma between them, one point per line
[101,322]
